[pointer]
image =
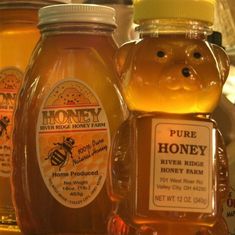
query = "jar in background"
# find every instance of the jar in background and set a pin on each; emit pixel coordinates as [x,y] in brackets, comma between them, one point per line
[124,18]
[67,113]
[18,37]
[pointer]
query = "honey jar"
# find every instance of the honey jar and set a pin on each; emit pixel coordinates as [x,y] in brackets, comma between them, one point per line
[66,115]
[169,170]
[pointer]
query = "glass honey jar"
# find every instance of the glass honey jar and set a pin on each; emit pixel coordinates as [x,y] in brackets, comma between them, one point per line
[169,170]
[18,37]
[66,115]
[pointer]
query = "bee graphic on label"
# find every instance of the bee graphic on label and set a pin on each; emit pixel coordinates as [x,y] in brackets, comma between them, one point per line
[4,122]
[60,154]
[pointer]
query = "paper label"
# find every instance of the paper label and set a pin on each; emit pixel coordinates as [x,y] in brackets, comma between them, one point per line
[229,211]
[10,81]
[229,204]
[181,166]
[73,143]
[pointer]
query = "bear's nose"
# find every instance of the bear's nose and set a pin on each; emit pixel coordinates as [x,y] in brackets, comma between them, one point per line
[186,72]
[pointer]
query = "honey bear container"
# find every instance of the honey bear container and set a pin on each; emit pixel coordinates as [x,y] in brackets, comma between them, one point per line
[18,37]
[169,172]
[68,110]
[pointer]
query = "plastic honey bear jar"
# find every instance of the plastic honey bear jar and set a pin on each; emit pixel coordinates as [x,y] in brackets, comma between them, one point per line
[66,115]
[169,172]
[18,36]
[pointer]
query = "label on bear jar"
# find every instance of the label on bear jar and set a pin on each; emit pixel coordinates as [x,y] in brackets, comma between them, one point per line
[182,158]
[10,81]
[73,143]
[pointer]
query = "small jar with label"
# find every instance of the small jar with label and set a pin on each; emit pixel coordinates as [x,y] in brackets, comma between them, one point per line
[169,170]
[66,115]
[18,37]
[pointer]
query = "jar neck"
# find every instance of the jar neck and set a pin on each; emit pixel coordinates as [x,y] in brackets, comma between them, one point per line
[18,17]
[189,28]
[76,28]
[25,4]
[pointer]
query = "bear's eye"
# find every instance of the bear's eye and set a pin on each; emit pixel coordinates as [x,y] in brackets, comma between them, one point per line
[197,55]
[160,54]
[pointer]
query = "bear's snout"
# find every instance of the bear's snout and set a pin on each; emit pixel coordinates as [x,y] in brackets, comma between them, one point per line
[180,77]
[186,72]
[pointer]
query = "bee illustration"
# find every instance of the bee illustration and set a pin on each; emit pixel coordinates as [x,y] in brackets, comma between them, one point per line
[4,122]
[60,154]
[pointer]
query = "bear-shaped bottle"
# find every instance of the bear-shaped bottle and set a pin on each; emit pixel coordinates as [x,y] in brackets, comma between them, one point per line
[168,169]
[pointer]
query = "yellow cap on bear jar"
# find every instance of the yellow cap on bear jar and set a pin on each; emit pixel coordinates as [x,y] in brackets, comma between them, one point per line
[202,10]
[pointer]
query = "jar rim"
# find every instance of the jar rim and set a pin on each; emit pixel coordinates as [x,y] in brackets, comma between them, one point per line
[80,13]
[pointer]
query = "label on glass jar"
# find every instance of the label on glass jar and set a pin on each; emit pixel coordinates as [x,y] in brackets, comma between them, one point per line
[181,166]
[229,211]
[73,143]
[229,204]
[10,81]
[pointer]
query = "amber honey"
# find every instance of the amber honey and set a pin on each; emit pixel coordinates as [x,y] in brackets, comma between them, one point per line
[69,109]
[173,65]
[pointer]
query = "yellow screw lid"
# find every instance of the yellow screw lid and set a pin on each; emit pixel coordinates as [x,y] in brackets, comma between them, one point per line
[202,10]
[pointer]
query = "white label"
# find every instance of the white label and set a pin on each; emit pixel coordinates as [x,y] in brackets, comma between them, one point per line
[181,166]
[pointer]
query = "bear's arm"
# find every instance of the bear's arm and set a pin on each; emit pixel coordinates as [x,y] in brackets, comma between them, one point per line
[222,167]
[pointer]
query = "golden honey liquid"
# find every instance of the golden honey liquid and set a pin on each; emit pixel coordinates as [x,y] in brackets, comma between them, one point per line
[80,57]
[155,82]
[18,36]
[169,77]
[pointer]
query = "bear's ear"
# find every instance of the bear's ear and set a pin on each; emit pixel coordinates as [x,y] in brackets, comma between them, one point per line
[121,57]
[222,60]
